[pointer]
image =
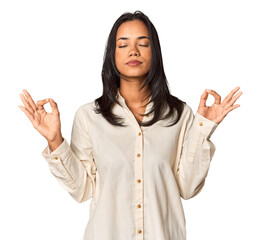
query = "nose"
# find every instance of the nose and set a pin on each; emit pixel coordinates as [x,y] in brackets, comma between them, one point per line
[134,52]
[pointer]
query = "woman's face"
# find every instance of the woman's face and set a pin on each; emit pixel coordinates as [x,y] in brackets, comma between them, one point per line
[132,43]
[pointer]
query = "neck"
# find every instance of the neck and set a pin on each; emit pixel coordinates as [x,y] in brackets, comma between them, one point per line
[132,94]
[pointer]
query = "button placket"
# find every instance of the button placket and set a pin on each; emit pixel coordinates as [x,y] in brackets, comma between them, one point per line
[138,169]
[138,163]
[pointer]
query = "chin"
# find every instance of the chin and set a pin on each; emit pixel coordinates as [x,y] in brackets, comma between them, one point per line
[134,73]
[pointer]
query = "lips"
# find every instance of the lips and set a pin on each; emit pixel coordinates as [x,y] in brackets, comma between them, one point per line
[134,63]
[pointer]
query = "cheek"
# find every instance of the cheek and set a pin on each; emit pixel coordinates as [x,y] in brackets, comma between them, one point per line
[118,57]
[149,57]
[119,61]
[147,54]
[148,60]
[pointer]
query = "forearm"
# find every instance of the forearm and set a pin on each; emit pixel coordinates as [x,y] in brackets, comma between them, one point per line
[196,156]
[75,178]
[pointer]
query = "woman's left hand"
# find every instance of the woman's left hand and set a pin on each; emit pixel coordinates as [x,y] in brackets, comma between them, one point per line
[218,111]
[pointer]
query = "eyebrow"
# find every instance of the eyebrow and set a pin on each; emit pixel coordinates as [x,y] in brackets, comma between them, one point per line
[125,38]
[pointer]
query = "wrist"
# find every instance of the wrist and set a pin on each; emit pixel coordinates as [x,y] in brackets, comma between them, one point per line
[56,143]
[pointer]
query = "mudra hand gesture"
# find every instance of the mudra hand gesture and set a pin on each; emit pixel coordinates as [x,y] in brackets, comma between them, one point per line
[218,110]
[47,124]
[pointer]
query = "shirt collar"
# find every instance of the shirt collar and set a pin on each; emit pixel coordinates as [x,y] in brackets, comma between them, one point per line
[119,96]
[125,107]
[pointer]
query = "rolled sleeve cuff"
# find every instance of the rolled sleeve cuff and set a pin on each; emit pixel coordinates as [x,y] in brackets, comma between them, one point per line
[59,153]
[205,126]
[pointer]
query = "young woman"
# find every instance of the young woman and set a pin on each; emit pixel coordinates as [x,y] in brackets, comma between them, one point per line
[136,150]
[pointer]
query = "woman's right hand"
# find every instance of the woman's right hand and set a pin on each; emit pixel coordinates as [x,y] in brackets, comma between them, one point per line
[47,124]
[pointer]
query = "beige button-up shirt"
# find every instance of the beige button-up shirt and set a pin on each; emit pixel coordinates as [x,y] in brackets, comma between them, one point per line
[135,176]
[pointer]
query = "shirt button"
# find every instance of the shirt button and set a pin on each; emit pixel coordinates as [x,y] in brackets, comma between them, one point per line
[55,157]
[138,155]
[139,133]
[139,231]
[138,180]
[201,123]
[139,206]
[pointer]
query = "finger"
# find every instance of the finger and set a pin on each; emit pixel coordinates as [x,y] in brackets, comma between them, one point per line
[230,109]
[203,99]
[230,95]
[28,113]
[26,104]
[215,95]
[233,100]
[29,99]
[53,105]
[40,103]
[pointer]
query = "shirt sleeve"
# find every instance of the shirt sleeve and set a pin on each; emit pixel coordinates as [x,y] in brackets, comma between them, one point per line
[194,154]
[73,165]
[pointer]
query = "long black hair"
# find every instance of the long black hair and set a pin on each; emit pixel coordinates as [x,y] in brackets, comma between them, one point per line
[155,81]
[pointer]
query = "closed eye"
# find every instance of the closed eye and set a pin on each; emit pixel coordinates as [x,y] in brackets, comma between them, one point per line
[139,45]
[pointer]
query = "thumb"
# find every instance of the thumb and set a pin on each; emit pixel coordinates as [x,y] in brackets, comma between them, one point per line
[53,105]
